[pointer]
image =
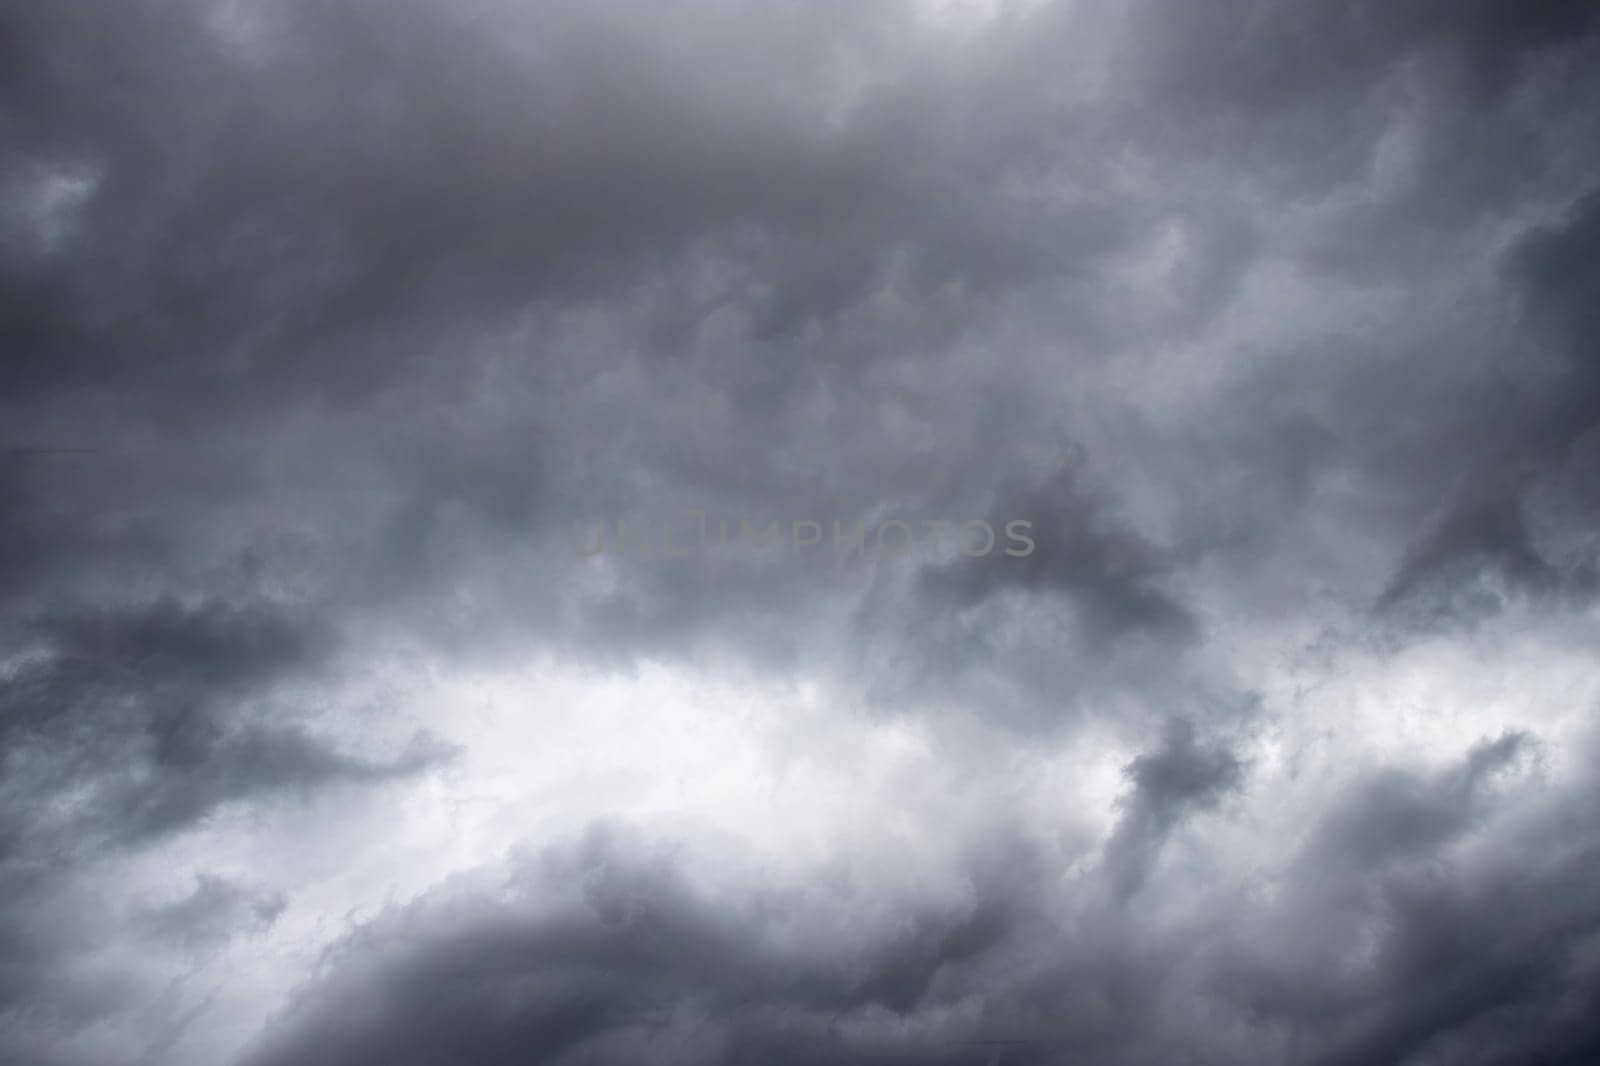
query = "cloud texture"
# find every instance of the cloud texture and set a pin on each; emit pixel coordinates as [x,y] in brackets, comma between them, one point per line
[325,325]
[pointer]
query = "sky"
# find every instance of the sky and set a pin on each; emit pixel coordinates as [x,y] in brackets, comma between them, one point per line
[713,532]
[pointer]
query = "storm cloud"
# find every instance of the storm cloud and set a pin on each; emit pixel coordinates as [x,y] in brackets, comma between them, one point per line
[324,325]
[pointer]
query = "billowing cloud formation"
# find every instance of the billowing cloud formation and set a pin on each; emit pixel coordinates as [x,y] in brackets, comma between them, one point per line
[325,326]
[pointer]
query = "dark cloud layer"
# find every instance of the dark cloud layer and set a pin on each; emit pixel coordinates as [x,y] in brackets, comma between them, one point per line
[322,325]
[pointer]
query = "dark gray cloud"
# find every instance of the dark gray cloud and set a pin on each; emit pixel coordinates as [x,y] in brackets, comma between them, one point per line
[323,324]
[1181,777]
[607,954]
[153,716]
[1412,965]
[1486,530]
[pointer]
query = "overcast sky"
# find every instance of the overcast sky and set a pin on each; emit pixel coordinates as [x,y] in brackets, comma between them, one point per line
[332,330]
